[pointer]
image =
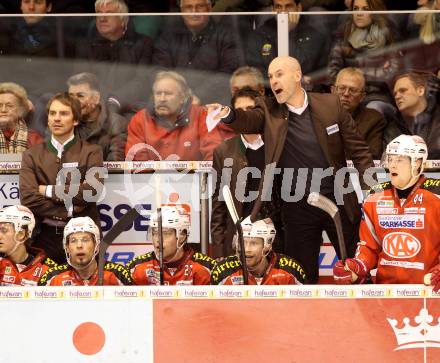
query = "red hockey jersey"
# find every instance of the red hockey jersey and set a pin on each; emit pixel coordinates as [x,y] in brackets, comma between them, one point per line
[27,273]
[64,275]
[194,268]
[282,270]
[401,237]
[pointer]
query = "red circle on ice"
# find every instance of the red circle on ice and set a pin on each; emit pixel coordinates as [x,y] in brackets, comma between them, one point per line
[88,338]
[174,197]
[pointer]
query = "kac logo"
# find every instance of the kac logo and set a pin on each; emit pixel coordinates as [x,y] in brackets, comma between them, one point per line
[401,245]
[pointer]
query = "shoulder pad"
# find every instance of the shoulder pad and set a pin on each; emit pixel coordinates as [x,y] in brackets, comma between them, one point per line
[120,271]
[204,260]
[290,265]
[139,259]
[431,184]
[51,273]
[225,268]
[380,187]
[49,262]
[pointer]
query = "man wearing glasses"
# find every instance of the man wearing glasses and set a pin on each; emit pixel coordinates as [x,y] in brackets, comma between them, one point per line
[350,88]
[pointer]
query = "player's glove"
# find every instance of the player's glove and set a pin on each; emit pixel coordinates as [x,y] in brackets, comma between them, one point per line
[353,272]
[435,278]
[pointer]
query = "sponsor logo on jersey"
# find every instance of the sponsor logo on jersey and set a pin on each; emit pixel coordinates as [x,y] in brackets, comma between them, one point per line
[67,283]
[183,282]
[387,210]
[150,272]
[412,221]
[9,279]
[415,210]
[412,210]
[26,282]
[401,245]
[385,203]
[237,280]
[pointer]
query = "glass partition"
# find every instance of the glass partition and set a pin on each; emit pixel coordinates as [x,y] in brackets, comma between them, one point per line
[112,65]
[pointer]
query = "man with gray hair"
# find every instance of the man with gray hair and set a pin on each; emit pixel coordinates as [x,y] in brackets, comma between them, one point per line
[247,77]
[350,88]
[98,124]
[116,53]
[15,136]
[173,127]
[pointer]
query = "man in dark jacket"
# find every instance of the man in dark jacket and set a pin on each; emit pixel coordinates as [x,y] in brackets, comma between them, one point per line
[99,124]
[33,49]
[419,113]
[309,137]
[116,54]
[205,51]
[54,200]
[306,42]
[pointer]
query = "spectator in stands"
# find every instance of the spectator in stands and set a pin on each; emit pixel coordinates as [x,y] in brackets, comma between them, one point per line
[52,200]
[246,150]
[99,124]
[418,115]
[307,42]
[15,136]
[249,77]
[350,88]
[173,128]
[243,77]
[365,42]
[427,24]
[197,42]
[32,48]
[148,25]
[241,5]
[116,53]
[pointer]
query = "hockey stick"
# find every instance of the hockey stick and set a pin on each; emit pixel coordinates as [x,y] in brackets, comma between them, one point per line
[319,201]
[159,224]
[110,236]
[227,196]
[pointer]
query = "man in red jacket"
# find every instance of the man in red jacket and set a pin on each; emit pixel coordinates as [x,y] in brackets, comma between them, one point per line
[173,128]
[20,264]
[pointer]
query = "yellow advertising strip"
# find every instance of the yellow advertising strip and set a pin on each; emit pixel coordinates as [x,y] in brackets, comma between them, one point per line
[218,292]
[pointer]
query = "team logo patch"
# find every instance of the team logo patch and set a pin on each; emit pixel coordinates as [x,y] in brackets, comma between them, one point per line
[412,221]
[401,245]
[8,270]
[67,283]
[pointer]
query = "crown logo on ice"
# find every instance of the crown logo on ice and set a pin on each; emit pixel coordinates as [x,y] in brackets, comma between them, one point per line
[420,336]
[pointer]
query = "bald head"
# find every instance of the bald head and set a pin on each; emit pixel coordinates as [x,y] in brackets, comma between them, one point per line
[285,79]
[285,62]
